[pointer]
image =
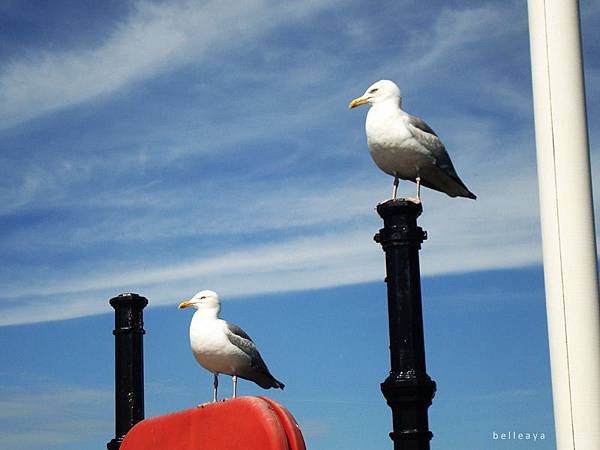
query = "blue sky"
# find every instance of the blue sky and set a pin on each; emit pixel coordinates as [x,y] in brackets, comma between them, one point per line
[167,147]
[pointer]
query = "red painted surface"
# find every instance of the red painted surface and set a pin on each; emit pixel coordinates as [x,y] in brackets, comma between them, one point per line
[290,426]
[245,423]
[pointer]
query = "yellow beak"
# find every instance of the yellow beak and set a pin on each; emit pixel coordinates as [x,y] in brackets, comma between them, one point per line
[185,304]
[358,101]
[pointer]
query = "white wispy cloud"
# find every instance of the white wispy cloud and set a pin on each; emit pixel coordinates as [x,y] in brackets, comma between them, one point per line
[314,229]
[456,30]
[155,38]
[339,255]
[58,415]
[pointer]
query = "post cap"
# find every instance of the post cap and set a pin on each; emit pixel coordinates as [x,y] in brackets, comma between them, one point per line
[399,206]
[128,298]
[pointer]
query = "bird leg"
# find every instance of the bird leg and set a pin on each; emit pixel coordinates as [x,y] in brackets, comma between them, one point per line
[417,200]
[215,386]
[418,181]
[234,378]
[395,188]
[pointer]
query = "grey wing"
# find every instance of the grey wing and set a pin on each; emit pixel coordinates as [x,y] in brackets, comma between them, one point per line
[428,139]
[441,175]
[241,340]
[257,371]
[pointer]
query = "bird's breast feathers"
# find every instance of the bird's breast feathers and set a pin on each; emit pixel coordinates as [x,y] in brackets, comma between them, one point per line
[392,145]
[212,349]
[384,126]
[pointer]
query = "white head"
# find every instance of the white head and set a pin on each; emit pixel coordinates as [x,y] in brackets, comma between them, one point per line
[379,92]
[203,300]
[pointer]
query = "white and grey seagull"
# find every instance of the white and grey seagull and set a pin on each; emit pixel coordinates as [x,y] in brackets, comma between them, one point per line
[222,347]
[404,146]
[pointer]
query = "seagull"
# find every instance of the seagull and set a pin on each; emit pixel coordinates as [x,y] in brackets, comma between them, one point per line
[222,347]
[404,146]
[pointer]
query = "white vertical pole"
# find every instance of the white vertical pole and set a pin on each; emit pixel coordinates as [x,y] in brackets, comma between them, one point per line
[567,220]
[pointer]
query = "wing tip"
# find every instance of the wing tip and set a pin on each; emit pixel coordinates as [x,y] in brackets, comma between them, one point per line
[275,383]
[465,193]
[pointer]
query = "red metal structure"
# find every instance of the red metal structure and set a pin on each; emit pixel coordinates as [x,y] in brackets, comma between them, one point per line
[244,423]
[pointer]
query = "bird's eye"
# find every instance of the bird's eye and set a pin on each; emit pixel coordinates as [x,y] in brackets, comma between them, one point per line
[372,91]
[202,298]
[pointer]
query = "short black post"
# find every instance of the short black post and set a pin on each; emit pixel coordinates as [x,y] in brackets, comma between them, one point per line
[408,389]
[129,364]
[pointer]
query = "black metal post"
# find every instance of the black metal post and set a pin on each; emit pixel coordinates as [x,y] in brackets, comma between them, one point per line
[408,389]
[129,364]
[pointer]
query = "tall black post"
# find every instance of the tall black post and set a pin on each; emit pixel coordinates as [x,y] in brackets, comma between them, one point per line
[408,389]
[129,364]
